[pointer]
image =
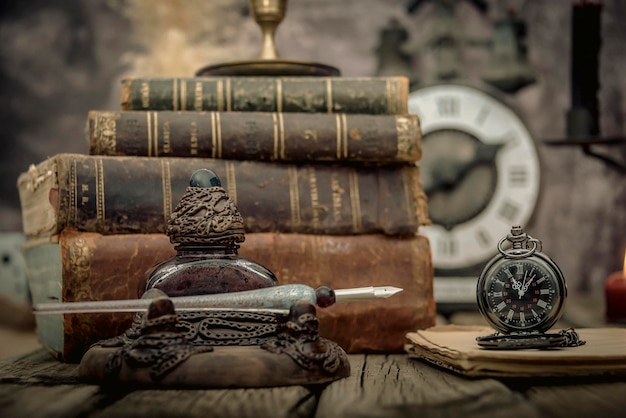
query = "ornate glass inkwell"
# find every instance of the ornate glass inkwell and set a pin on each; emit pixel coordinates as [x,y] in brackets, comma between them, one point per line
[211,318]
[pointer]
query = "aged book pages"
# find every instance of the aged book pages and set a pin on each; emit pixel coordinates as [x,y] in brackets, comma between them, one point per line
[83,266]
[455,347]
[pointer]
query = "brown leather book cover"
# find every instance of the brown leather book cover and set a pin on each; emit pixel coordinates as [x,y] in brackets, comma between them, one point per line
[107,267]
[118,195]
[260,136]
[369,95]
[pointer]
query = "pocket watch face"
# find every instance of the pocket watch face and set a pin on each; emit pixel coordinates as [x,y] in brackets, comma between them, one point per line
[480,170]
[524,294]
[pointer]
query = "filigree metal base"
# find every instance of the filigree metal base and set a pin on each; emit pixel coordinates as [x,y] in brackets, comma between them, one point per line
[217,349]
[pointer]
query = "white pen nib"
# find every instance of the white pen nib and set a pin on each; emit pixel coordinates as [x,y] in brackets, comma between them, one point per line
[386,291]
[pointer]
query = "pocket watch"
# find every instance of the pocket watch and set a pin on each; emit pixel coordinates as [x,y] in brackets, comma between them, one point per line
[521,293]
[481,172]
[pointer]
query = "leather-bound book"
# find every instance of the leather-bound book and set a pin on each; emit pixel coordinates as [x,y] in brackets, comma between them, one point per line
[369,95]
[261,136]
[115,195]
[80,266]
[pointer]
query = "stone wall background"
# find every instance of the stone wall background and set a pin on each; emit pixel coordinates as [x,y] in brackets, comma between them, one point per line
[61,58]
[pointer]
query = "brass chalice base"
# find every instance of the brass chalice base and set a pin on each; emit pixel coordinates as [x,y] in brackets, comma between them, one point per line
[269,67]
[268,14]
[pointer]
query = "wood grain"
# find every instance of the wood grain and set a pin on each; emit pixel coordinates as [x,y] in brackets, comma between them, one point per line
[36,385]
[395,386]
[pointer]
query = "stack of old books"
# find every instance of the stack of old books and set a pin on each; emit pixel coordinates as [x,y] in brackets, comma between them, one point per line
[322,170]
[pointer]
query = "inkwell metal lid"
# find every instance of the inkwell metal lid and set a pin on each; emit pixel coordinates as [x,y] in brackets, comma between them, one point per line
[206,215]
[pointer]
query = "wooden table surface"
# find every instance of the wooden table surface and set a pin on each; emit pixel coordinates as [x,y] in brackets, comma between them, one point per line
[36,385]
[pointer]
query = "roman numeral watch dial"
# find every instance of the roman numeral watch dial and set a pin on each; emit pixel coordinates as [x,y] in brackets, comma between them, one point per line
[521,293]
[480,171]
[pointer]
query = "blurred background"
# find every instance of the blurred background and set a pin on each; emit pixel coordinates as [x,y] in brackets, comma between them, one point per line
[61,58]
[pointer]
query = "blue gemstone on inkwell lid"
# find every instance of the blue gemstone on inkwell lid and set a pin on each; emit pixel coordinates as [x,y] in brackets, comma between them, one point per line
[204,178]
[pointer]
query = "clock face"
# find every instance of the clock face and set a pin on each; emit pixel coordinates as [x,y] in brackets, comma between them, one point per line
[524,294]
[480,170]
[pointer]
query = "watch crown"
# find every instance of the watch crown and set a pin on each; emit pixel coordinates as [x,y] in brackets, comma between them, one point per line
[523,245]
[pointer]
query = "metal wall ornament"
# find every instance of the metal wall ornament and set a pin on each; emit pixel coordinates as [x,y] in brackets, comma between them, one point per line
[521,293]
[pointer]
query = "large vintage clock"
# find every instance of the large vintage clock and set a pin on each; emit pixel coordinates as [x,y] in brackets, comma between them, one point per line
[480,170]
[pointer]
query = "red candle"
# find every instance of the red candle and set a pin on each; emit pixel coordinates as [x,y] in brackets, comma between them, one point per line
[615,294]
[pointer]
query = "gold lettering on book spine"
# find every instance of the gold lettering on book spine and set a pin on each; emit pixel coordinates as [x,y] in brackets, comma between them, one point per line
[166,137]
[104,133]
[100,204]
[84,189]
[197,96]
[79,257]
[294,195]
[73,209]
[406,129]
[338,192]
[166,184]
[193,139]
[355,201]
[315,204]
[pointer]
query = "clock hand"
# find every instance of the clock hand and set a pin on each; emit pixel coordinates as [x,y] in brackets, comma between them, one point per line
[522,286]
[447,175]
[526,284]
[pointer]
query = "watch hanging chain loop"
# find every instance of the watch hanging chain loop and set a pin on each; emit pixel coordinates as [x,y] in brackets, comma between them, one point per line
[523,244]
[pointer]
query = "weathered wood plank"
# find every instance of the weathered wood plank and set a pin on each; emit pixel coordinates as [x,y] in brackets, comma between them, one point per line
[37,367]
[576,398]
[291,401]
[37,385]
[396,386]
[48,401]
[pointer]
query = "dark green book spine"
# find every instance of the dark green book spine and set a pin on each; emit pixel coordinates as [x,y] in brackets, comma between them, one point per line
[261,136]
[113,195]
[371,95]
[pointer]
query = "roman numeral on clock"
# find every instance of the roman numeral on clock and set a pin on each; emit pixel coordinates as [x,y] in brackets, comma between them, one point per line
[518,176]
[447,246]
[448,106]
